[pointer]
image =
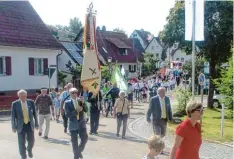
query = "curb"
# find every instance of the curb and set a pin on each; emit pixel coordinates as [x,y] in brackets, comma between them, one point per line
[130,127]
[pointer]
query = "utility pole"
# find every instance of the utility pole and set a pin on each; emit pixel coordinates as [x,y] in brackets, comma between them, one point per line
[193,49]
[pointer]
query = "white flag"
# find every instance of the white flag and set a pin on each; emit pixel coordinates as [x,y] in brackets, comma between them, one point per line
[199,20]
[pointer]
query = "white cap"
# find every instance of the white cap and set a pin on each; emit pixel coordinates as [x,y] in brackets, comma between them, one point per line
[73,90]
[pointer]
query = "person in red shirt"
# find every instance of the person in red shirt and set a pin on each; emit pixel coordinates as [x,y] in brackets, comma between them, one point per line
[188,137]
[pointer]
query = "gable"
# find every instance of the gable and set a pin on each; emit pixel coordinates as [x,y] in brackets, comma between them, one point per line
[154,47]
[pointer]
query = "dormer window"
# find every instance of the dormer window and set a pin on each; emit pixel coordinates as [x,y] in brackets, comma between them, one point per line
[104,50]
[123,51]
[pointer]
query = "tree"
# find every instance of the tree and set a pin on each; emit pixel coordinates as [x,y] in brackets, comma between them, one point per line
[225,85]
[61,77]
[75,71]
[75,25]
[119,30]
[218,34]
[149,66]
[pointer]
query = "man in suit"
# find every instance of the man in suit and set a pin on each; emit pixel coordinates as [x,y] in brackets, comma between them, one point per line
[160,109]
[74,111]
[24,120]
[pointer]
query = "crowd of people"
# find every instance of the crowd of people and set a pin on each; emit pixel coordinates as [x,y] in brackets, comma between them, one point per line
[78,106]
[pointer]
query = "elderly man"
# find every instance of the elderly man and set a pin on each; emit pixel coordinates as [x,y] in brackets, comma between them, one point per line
[24,120]
[74,111]
[65,96]
[160,108]
[44,103]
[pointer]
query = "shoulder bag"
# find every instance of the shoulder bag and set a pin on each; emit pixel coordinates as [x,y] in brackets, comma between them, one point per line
[120,114]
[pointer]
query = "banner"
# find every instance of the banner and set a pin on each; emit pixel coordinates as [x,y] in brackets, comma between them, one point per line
[199,20]
[91,72]
[118,78]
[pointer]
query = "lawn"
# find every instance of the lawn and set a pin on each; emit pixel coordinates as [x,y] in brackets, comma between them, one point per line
[211,125]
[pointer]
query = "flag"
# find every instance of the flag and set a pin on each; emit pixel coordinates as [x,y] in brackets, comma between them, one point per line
[199,20]
[123,71]
[91,72]
[118,78]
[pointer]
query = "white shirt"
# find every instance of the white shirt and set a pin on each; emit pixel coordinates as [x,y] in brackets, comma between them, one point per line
[26,105]
[160,100]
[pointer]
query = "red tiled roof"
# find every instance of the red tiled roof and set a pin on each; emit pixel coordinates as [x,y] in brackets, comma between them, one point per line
[112,47]
[21,26]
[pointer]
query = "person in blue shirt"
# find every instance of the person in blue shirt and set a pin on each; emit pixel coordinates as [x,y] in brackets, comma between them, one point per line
[56,102]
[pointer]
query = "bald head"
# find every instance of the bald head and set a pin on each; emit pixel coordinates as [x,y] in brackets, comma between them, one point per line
[161,92]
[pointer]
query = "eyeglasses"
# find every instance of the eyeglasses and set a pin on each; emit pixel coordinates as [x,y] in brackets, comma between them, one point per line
[74,92]
[197,109]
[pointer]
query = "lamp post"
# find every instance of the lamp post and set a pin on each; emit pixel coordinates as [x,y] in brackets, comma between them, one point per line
[109,60]
[185,78]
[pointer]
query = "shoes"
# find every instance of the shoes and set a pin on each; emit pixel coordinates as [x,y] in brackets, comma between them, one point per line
[123,137]
[30,155]
[40,134]
[45,137]
[65,130]
[117,135]
[96,133]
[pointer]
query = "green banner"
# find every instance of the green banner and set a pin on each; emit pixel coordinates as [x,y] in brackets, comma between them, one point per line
[118,78]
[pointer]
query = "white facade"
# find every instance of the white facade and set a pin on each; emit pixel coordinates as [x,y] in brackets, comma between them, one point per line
[179,55]
[20,78]
[131,73]
[154,48]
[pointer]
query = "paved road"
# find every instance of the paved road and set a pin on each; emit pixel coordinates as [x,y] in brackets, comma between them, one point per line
[208,150]
[104,146]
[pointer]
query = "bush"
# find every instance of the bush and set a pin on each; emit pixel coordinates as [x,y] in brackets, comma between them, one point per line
[182,97]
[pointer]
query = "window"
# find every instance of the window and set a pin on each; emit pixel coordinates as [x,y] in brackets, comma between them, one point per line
[152,47]
[104,50]
[182,59]
[38,66]
[132,68]
[120,67]
[123,51]
[157,55]
[177,59]
[5,65]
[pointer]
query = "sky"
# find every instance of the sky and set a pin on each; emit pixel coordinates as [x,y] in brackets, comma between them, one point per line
[129,15]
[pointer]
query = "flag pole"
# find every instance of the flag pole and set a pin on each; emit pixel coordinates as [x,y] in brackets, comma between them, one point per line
[193,49]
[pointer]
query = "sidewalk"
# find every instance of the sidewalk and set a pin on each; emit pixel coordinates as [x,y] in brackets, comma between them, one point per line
[103,146]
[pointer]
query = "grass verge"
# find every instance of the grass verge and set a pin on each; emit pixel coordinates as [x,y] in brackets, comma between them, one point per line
[211,126]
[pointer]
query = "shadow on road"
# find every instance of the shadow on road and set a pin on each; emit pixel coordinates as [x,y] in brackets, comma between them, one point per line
[112,136]
[57,141]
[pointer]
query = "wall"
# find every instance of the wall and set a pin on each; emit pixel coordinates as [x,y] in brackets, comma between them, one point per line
[179,54]
[154,48]
[139,38]
[20,78]
[126,68]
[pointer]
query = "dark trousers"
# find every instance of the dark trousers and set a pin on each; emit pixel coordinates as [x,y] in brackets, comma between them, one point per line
[122,119]
[65,119]
[82,132]
[94,121]
[160,127]
[26,134]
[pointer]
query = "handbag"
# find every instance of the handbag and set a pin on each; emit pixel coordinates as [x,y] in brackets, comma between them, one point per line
[119,114]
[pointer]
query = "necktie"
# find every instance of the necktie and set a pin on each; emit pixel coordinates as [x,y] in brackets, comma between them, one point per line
[76,106]
[164,116]
[25,114]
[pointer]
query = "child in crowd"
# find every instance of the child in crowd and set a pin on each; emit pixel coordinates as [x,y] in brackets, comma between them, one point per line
[56,102]
[156,145]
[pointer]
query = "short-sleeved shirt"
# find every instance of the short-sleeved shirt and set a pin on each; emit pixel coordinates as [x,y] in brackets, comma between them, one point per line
[43,104]
[191,142]
[56,103]
[65,95]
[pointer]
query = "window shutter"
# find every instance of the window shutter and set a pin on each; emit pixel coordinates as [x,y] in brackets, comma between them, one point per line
[31,66]
[134,68]
[129,68]
[45,66]
[8,65]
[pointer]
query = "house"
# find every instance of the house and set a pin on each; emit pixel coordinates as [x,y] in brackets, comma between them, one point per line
[27,49]
[154,47]
[117,48]
[143,36]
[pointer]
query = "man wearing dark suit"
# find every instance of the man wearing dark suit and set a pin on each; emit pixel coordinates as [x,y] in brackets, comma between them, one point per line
[24,120]
[160,109]
[74,111]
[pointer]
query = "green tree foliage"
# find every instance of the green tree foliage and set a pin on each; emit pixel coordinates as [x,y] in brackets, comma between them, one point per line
[218,21]
[75,25]
[225,85]
[61,77]
[105,71]
[75,71]
[119,30]
[149,66]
